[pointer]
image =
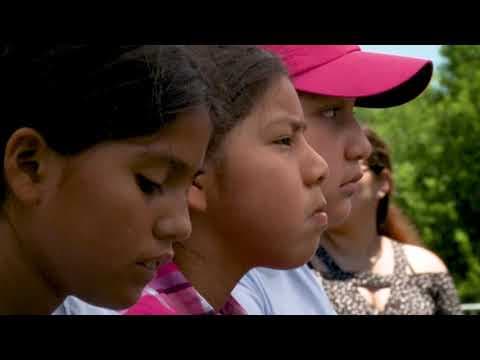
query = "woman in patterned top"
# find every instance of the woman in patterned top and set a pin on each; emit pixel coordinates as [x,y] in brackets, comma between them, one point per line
[374,263]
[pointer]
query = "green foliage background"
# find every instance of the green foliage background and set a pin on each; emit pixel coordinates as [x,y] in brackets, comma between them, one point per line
[435,141]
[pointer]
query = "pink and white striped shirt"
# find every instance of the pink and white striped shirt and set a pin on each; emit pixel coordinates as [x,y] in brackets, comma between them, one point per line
[170,293]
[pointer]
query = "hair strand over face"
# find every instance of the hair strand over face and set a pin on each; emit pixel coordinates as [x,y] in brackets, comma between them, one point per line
[391,221]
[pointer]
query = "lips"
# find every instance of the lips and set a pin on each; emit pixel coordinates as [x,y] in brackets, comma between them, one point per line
[354,179]
[154,263]
[320,208]
[150,265]
[320,217]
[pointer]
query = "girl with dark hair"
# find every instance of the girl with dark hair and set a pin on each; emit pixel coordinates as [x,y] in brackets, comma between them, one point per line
[99,145]
[259,200]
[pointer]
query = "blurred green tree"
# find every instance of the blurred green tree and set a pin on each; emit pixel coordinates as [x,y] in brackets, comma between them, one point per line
[435,141]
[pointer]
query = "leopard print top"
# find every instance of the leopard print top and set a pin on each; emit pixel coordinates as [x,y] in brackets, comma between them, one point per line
[410,293]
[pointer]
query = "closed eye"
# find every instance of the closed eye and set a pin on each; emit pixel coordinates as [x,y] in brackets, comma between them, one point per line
[286,141]
[147,186]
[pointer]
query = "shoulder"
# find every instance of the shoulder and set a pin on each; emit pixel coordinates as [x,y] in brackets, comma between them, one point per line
[262,288]
[253,282]
[250,293]
[282,292]
[258,280]
[75,306]
[266,277]
[422,260]
[299,284]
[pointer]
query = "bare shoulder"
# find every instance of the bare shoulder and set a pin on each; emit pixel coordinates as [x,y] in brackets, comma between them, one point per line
[422,260]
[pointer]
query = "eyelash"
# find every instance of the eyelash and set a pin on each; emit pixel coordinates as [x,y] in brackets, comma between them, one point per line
[282,141]
[147,186]
[335,111]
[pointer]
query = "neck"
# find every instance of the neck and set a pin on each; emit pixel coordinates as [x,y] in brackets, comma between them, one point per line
[23,289]
[209,265]
[354,243]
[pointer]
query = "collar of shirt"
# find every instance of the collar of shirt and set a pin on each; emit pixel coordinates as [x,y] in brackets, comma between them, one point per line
[170,293]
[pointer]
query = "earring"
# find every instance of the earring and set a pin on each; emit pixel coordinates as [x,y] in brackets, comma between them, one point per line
[381,194]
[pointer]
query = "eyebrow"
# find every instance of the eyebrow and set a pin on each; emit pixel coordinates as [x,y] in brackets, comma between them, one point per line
[323,107]
[336,102]
[174,163]
[296,125]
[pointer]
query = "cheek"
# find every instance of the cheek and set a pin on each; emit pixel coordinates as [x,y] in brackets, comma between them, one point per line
[323,140]
[261,189]
[332,183]
[104,220]
[366,190]
[339,205]
[331,149]
[267,182]
[262,212]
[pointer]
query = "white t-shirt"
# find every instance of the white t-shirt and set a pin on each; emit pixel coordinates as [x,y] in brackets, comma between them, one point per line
[261,291]
[298,291]
[75,306]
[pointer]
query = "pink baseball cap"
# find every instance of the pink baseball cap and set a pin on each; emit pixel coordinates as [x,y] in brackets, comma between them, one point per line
[375,80]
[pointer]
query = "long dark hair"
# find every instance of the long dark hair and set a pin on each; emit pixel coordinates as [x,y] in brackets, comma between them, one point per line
[391,221]
[77,96]
[240,75]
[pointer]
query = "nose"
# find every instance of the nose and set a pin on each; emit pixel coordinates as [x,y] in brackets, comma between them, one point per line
[358,147]
[315,167]
[173,222]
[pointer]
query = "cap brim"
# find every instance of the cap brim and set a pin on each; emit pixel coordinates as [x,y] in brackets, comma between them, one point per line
[375,80]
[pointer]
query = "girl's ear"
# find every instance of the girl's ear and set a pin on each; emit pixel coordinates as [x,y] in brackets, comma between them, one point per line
[197,199]
[386,184]
[26,165]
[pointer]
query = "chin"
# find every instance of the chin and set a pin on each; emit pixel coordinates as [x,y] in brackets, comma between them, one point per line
[117,300]
[339,214]
[299,259]
[295,263]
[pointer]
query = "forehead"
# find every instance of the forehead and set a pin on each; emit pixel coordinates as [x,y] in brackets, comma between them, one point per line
[312,103]
[280,101]
[184,140]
